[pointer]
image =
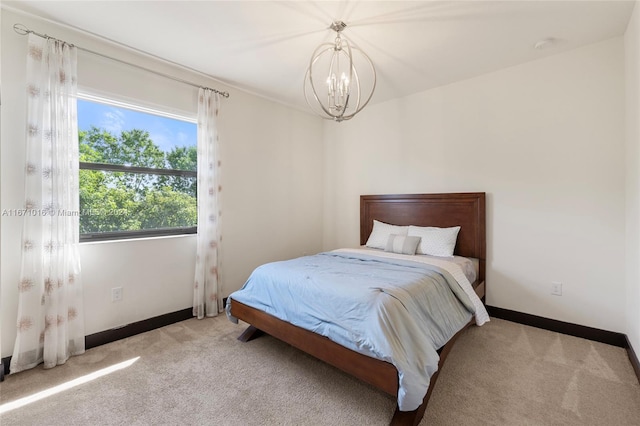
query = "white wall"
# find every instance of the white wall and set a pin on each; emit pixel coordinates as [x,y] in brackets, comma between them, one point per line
[271,178]
[545,140]
[632,79]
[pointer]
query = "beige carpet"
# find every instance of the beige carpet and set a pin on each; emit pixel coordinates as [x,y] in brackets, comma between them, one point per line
[197,373]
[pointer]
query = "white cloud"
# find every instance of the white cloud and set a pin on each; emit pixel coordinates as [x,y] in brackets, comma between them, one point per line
[162,140]
[182,139]
[113,121]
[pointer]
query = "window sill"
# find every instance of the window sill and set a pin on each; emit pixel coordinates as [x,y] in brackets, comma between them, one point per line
[122,237]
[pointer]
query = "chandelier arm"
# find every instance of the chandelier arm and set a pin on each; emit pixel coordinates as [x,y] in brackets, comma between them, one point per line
[348,53]
[338,116]
[341,116]
[356,108]
[314,109]
[306,95]
[335,60]
[314,59]
[350,56]
[373,88]
[359,92]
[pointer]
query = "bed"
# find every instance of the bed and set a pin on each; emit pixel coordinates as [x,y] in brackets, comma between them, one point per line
[466,210]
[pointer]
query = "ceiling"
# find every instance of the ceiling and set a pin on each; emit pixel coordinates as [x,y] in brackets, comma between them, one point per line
[265,46]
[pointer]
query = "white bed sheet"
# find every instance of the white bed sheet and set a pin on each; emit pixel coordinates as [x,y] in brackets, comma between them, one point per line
[470,266]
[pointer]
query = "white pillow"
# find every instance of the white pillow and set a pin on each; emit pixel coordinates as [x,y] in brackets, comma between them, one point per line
[435,241]
[402,244]
[380,234]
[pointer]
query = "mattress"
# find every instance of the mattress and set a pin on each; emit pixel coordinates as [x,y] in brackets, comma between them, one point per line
[390,307]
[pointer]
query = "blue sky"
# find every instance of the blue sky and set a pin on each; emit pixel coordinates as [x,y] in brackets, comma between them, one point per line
[165,132]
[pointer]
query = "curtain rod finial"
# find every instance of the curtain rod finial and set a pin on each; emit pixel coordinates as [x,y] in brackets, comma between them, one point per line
[21,29]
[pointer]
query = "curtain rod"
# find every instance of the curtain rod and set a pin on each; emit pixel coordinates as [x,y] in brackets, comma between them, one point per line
[23,30]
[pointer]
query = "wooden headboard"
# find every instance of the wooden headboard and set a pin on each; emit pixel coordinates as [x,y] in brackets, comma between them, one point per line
[466,210]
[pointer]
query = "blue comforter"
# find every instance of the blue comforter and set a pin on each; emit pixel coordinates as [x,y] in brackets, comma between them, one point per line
[395,310]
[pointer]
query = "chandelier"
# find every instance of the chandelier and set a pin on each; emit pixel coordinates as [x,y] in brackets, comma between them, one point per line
[340,79]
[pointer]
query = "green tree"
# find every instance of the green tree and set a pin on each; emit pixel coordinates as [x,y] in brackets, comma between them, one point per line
[131,148]
[121,201]
[182,158]
[166,208]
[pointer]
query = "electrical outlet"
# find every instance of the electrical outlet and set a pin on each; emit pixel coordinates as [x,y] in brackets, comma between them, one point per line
[116,294]
[556,288]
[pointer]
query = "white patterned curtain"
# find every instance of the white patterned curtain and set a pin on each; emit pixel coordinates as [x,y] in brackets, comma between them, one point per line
[50,318]
[206,300]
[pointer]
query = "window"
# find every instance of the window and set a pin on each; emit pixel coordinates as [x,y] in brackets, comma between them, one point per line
[137,171]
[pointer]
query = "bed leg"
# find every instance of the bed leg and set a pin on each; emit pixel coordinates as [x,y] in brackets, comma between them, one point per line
[408,418]
[250,333]
[404,418]
[412,418]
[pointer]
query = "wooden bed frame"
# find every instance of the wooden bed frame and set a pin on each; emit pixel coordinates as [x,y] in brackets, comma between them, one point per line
[466,210]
